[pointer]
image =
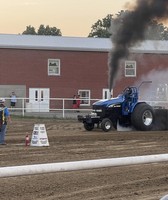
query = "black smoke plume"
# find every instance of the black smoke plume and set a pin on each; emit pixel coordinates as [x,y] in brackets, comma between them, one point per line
[132,31]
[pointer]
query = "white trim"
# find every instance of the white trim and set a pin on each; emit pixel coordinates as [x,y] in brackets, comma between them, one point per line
[130,62]
[82,98]
[58,65]
[106,93]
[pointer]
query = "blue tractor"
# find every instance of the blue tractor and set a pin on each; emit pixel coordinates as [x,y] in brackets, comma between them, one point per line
[124,110]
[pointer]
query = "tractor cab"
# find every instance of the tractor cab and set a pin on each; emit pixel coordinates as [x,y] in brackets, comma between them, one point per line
[130,96]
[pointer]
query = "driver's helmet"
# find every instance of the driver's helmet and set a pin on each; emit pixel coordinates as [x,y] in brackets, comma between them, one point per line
[128,90]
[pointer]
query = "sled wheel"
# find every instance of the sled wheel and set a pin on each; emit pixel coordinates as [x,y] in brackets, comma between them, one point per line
[89,127]
[143,117]
[106,125]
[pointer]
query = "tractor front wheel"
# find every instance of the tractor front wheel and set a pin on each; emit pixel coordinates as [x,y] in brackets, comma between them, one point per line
[106,124]
[89,126]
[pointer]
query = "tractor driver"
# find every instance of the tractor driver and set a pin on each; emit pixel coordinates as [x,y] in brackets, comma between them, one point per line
[128,93]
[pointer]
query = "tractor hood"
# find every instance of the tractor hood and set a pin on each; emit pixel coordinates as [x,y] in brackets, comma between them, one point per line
[108,102]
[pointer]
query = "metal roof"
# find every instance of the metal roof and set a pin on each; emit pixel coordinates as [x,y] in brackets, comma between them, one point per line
[75,43]
[54,42]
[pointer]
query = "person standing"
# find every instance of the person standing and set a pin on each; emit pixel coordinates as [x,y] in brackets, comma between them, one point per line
[74,103]
[78,101]
[4,118]
[13,100]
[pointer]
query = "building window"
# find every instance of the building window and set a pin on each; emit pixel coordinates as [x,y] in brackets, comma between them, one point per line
[54,67]
[85,97]
[130,68]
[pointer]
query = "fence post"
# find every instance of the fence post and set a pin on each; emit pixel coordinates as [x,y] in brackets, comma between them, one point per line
[63,111]
[23,108]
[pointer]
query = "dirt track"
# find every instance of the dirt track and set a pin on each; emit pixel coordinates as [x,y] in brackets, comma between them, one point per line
[70,142]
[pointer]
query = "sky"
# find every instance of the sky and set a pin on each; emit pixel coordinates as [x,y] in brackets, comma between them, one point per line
[73,17]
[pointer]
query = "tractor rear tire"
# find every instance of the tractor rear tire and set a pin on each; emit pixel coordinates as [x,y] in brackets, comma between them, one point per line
[89,126]
[143,117]
[106,124]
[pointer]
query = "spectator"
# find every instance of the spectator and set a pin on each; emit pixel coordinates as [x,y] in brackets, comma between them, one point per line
[4,118]
[13,100]
[74,103]
[78,102]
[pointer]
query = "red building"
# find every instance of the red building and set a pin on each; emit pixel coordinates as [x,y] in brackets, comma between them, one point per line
[43,67]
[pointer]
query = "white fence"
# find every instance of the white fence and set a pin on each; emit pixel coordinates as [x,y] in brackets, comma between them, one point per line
[59,107]
[56,107]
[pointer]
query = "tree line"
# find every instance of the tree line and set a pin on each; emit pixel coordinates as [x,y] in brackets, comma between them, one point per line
[104,28]
[42,30]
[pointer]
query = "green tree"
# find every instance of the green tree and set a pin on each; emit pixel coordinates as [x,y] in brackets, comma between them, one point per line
[48,31]
[156,31]
[109,25]
[101,28]
[42,30]
[30,30]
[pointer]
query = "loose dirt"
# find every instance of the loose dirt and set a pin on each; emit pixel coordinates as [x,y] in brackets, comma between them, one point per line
[70,142]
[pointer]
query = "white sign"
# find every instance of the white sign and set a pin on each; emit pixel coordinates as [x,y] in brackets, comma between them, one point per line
[39,136]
